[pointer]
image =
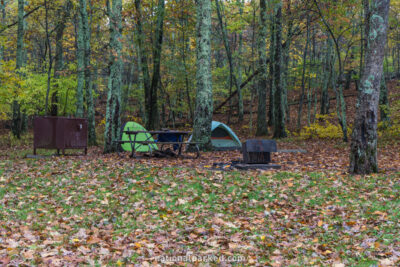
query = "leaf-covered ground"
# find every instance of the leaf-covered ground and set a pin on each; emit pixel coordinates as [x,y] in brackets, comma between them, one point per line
[110,210]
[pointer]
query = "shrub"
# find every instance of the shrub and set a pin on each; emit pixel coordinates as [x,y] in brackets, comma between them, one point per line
[324,127]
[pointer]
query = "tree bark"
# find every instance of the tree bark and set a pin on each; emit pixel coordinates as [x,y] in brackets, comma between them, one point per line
[80,57]
[153,121]
[227,45]
[113,112]
[20,35]
[363,155]
[271,111]
[63,14]
[303,76]
[150,87]
[325,103]
[384,101]
[341,104]
[239,65]
[279,101]
[143,67]
[50,53]
[3,4]
[204,101]
[86,32]
[262,128]
[17,118]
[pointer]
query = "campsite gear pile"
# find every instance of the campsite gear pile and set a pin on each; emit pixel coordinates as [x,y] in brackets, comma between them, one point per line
[60,133]
[135,138]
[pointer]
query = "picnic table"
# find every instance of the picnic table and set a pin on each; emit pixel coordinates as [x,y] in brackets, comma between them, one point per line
[163,139]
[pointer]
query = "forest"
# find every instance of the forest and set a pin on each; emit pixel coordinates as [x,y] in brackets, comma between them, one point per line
[321,78]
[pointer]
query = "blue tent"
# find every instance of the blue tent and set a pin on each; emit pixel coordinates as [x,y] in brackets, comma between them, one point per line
[223,138]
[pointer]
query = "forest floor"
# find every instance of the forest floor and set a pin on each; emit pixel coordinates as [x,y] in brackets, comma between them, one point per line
[107,210]
[113,210]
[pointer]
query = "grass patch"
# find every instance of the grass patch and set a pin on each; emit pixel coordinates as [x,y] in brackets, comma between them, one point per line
[113,212]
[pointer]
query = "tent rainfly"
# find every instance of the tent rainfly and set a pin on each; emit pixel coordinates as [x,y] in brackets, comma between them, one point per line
[134,126]
[223,138]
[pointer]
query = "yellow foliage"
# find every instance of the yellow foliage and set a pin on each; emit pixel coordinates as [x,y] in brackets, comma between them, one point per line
[135,119]
[323,128]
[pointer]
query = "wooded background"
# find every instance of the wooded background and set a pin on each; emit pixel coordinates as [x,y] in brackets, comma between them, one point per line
[276,63]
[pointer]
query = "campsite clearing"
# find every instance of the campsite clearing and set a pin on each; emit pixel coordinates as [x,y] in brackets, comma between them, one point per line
[104,210]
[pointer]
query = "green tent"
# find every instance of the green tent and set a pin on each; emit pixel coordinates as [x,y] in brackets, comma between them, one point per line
[133,126]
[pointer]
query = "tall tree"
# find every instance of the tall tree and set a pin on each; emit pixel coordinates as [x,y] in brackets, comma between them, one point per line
[363,155]
[153,121]
[279,101]
[327,76]
[204,101]
[3,4]
[17,117]
[383,100]
[262,128]
[20,35]
[113,112]
[80,57]
[239,64]
[86,31]
[50,54]
[62,16]
[272,44]
[151,86]
[232,77]
[303,76]
[337,83]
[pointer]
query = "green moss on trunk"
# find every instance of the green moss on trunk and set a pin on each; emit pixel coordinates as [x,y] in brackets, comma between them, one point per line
[113,112]
[204,101]
[363,156]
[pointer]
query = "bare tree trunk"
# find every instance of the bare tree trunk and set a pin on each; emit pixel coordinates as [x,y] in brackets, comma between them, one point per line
[80,57]
[143,66]
[327,76]
[204,101]
[239,66]
[384,101]
[16,125]
[88,73]
[338,87]
[363,155]
[50,53]
[152,109]
[151,87]
[113,112]
[63,14]
[227,45]
[3,4]
[279,108]
[262,128]
[303,77]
